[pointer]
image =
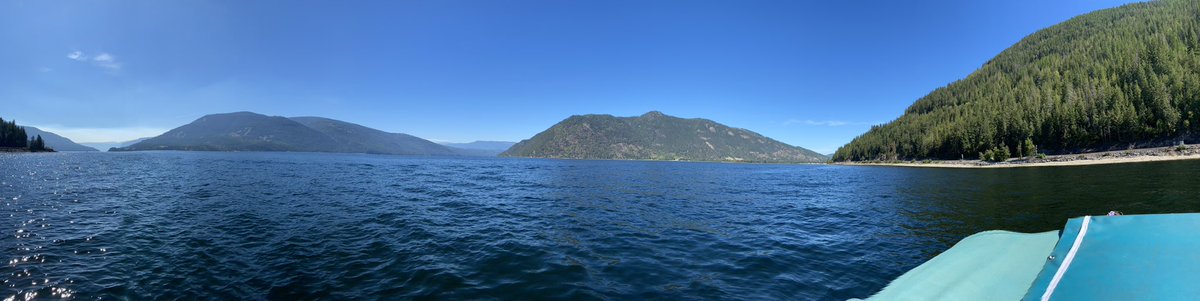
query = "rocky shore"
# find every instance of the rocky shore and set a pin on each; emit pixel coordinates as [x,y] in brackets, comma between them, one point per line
[1184,152]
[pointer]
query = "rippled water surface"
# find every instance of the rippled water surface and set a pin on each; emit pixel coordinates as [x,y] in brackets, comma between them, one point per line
[330,226]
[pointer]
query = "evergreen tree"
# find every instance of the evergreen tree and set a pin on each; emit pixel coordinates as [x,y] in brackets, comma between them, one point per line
[12,135]
[36,144]
[40,144]
[1030,149]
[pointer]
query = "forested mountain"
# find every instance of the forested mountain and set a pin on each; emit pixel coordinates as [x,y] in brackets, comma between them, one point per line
[361,139]
[34,139]
[246,131]
[56,142]
[655,136]
[241,131]
[1108,79]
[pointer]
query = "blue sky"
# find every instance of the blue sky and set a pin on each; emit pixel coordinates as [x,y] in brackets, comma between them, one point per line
[808,73]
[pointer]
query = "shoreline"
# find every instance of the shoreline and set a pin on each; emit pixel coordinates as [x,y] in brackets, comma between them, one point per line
[681,161]
[15,150]
[1156,154]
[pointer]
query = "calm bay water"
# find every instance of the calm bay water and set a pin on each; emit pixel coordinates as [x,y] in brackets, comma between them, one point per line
[190,225]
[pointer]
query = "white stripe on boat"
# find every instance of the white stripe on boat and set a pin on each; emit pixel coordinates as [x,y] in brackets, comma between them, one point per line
[1062,269]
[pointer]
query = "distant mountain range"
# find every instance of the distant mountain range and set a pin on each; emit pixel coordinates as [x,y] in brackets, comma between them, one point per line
[246,131]
[481,148]
[56,142]
[104,146]
[656,136]
[652,136]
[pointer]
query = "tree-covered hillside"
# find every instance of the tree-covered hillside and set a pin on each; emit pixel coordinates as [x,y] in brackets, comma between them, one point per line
[360,139]
[1108,79]
[15,138]
[655,136]
[56,142]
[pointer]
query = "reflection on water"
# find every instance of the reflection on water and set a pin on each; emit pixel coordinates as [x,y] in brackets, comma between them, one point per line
[331,226]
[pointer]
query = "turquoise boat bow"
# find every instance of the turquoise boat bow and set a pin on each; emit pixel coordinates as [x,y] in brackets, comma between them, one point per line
[1125,257]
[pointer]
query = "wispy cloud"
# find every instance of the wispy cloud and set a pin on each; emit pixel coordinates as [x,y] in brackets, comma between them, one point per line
[103,60]
[107,61]
[77,56]
[825,122]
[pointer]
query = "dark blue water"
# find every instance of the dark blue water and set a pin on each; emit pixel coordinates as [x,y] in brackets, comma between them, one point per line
[167,225]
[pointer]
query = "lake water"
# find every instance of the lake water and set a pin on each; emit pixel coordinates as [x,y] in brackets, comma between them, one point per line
[342,226]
